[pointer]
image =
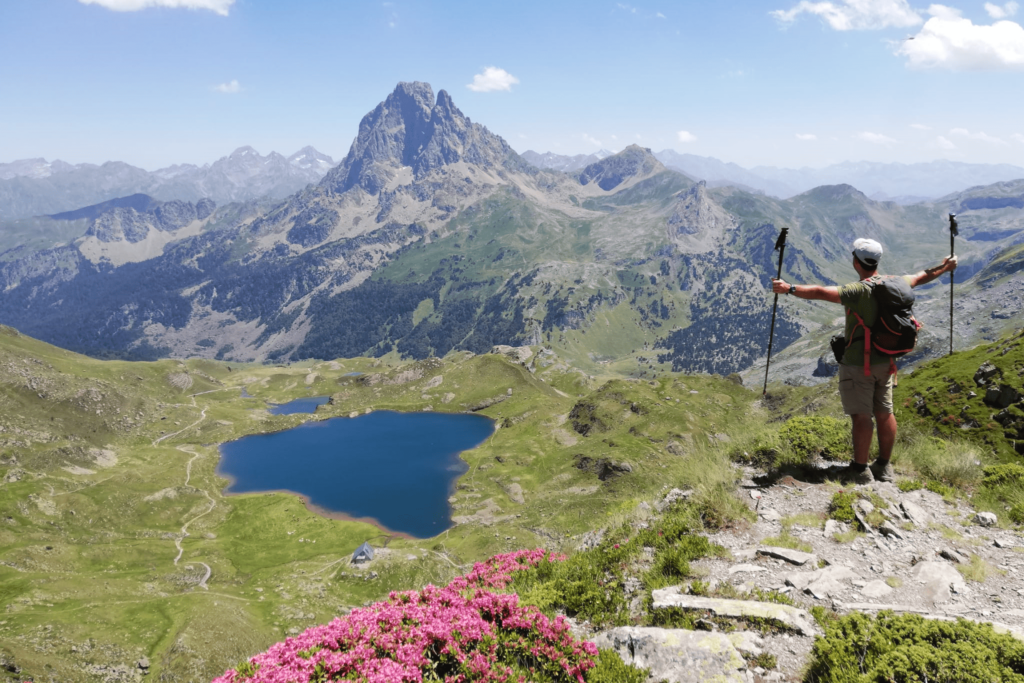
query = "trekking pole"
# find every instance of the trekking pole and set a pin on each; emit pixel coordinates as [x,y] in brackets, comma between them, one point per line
[780,246]
[953,232]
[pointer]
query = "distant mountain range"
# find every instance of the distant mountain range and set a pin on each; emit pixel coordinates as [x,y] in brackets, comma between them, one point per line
[434,235]
[35,187]
[902,183]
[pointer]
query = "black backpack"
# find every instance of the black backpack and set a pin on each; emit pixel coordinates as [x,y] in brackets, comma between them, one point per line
[895,331]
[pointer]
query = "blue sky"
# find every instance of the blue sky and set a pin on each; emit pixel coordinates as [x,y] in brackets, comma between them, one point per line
[784,83]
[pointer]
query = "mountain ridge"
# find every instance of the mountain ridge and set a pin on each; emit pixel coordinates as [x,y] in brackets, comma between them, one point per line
[35,187]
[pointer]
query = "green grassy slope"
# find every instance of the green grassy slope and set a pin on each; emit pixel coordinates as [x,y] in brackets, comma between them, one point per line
[103,463]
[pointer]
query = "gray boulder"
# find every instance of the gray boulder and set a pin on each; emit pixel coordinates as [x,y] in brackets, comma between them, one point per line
[675,655]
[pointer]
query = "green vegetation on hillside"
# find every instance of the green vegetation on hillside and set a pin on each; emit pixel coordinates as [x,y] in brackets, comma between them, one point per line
[109,467]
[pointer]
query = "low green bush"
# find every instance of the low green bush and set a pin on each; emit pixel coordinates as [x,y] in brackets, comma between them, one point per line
[609,668]
[1002,475]
[589,584]
[908,648]
[840,508]
[1016,513]
[817,436]
[908,485]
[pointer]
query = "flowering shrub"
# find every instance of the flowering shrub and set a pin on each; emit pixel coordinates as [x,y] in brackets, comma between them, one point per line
[462,632]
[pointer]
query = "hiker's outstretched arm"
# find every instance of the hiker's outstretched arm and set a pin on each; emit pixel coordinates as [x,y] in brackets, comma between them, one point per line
[817,292]
[925,276]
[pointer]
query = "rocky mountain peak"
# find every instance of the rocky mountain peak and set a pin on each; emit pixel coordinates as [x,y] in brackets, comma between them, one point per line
[309,158]
[243,152]
[411,129]
[610,172]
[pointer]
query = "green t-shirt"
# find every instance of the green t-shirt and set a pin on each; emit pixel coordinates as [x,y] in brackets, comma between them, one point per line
[856,298]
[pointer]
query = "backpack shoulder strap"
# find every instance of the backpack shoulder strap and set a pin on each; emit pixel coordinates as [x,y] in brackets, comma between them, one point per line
[867,344]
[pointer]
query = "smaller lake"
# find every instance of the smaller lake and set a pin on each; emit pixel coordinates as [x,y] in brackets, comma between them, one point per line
[397,468]
[299,405]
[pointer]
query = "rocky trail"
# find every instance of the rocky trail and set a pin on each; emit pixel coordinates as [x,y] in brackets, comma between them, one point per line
[909,552]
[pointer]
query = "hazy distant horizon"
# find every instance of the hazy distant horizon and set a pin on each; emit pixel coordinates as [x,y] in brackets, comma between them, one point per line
[781,83]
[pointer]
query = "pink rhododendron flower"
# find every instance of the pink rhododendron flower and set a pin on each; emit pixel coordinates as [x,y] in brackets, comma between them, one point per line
[459,633]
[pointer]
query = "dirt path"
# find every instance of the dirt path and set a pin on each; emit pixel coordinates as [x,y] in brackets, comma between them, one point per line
[202,416]
[184,529]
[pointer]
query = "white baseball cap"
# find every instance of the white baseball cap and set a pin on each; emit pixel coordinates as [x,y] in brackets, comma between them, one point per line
[867,252]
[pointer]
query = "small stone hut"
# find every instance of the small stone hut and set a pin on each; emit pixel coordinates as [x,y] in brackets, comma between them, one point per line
[363,553]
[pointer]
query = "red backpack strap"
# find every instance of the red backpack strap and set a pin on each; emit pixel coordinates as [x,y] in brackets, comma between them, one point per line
[867,344]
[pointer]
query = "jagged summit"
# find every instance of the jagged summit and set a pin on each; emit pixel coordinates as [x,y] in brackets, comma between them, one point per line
[411,129]
[610,172]
[309,158]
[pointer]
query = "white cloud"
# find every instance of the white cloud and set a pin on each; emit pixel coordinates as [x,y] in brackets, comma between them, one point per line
[847,15]
[944,143]
[1018,137]
[615,137]
[948,41]
[807,137]
[230,87]
[221,7]
[492,79]
[920,126]
[686,136]
[983,137]
[590,139]
[876,138]
[660,15]
[638,136]
[628,8]
[1001,11]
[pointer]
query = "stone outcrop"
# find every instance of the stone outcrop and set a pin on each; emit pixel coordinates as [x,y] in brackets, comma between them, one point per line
[676,655]
[784,615]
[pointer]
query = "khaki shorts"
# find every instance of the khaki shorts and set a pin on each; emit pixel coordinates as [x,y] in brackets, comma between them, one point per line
[865,395]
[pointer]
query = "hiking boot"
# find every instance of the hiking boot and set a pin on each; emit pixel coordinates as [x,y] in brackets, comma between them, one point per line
[882,471]
[848,475]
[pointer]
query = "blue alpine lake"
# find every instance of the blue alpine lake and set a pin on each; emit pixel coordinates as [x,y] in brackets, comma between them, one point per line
[396,468]
[299,405]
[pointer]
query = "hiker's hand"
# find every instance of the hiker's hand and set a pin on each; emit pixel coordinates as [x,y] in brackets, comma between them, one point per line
[949,264]
[780,286]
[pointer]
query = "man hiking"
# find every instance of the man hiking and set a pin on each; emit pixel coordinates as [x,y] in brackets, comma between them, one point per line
[864,396]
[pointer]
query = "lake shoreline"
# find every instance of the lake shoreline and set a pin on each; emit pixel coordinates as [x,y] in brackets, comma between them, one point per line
[409,501]
[324,512]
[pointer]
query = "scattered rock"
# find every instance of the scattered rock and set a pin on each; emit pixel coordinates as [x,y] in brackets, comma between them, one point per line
[602,467]
[591,540]
[746,568]
[888,529]
[770,515]
[821,582]
[785,615]
[143,663]
[675,448]
[985,373]
[792,556]
[832,527]
[515,492]
[915,513]
[518,354]
[953,556]
[985,519]
[876,589]
[676,655]
[748,643]
[673,496]
[1004,543]
[938,578]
